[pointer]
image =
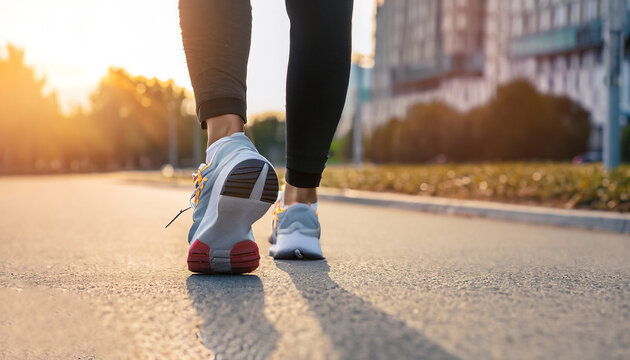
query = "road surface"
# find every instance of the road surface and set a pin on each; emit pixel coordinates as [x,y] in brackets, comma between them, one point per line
[87,270]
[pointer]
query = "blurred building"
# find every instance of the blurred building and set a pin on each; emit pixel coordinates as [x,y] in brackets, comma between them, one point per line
[559,46]
[427,50]
[458,51]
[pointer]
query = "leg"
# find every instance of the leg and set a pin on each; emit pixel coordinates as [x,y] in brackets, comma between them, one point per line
[317,81]
[236,185]
[216,36]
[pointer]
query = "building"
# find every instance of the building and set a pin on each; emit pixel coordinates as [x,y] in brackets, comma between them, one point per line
[459,51]
[427,50]
[559,46]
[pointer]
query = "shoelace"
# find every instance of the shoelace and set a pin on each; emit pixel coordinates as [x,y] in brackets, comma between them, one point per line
[199,182]
[176,216]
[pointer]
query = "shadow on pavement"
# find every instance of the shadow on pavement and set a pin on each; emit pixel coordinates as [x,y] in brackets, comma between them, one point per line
[232,310]
[357,329]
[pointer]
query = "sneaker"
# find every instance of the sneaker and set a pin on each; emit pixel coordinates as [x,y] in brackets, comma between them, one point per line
[295,233]
[234,189]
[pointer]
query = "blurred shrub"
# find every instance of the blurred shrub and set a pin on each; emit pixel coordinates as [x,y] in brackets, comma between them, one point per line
[341,149]
[267,131]
[518,124]
[555,184]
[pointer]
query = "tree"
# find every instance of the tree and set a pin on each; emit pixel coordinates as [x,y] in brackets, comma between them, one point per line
[521,123]
[132,114]
[27,117]
[383,145]
[430,131]
[126,125]
[267,131]
[518,124]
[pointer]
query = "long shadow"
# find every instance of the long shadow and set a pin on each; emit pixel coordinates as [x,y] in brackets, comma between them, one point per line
[232,309]
[357,329]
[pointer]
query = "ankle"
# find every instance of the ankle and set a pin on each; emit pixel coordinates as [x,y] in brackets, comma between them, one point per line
[223,125]
[293,195]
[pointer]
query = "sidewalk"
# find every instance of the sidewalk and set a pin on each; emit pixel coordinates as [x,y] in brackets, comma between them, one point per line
[587,219]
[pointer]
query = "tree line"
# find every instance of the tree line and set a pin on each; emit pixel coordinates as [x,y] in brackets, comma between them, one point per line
[126,126]
[518,124]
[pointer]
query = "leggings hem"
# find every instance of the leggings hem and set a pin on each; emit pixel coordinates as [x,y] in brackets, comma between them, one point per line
[301,179]
[222,106]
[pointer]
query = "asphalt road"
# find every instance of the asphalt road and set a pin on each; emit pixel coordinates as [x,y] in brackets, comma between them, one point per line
[87,270]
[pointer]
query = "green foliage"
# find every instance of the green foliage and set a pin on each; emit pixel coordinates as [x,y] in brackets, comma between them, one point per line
[383,145]
[341,149]
[555,184]
[267,131]
[524,124]
[519,123]
[126,127]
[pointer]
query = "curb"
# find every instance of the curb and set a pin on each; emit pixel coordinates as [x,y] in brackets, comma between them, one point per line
[585,219]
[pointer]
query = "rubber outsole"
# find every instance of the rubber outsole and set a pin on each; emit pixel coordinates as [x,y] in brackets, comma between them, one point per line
[295,247]
[247,193]
[296,254]
[244,257]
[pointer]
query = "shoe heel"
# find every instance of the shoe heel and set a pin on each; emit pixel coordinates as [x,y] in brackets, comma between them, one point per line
[244,258]
[199,258]
[244,179]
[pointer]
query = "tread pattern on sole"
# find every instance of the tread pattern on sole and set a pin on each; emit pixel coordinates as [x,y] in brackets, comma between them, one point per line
[242,178]
[244,258]
[270,191]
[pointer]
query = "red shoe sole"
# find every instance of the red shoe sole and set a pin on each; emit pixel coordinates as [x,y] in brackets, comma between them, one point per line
[244,258]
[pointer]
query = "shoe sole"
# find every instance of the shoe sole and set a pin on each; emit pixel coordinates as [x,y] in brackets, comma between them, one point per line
[296,246]
[249,189]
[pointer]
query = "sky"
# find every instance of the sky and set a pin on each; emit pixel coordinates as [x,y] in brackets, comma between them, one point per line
[73,42]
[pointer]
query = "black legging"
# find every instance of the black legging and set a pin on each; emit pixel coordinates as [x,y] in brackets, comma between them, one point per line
[217,36]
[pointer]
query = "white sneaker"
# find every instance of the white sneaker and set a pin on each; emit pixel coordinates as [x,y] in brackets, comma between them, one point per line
[295,233]
[235,188]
